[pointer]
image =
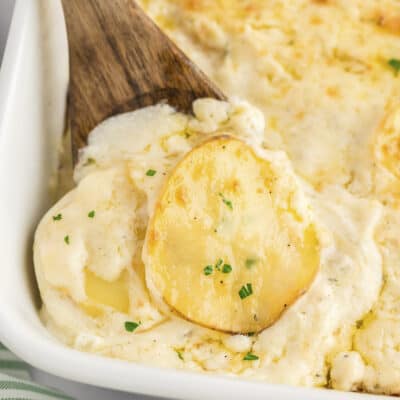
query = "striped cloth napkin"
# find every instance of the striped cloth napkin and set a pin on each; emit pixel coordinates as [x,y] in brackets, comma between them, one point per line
[16,384]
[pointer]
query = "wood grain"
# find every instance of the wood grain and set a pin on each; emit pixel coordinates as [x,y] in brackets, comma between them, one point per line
[120,61]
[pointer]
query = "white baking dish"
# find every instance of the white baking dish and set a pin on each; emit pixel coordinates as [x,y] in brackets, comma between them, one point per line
[32,102]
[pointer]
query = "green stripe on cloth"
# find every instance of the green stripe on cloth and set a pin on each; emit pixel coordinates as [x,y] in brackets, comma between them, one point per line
[20,374]
[13,388]
[15,369]
[12,364]
[7,355]
[31,397]
[20,395]
[28,387]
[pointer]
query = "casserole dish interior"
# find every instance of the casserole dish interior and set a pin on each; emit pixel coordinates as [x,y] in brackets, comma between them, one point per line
[33,85]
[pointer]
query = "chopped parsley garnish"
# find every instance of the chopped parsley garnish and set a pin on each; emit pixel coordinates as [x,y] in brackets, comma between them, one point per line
[89,161]
[130,326]
[250,262]
[151,172]
[226,269]
[208,270]
[57,217]
[245,291]
[66,239]
[250,357]
[250,334]
[92,214]
[227,202]
[218,264]
[395,64]
[180,355]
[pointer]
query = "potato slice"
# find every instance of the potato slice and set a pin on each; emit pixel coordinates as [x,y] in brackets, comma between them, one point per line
[387,138]
[223,249]
[104,293]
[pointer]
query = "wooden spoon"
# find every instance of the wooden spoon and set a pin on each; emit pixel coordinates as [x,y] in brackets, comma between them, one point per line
[121,61]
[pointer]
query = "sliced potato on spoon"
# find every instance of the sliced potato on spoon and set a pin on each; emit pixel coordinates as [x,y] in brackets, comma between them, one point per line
[226,247]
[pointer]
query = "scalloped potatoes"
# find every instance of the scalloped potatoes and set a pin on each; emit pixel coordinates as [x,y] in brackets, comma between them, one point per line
[323,77]
[226,247]
[167,206]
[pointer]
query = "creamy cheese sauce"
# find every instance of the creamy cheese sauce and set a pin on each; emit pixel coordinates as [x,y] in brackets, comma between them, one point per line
[325,110]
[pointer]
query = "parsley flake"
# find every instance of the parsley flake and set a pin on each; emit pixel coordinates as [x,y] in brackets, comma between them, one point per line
[89,161]
[92,214]
[208,270]
[245,291]
[130,326]
[180,355]
[227,202]
[151,172]
[250,357]
[250,263]
[57,217]
[226,269]
[218,264]
[66,239]
[395,64]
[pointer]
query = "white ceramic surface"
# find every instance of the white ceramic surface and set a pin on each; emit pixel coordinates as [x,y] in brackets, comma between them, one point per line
[31,120]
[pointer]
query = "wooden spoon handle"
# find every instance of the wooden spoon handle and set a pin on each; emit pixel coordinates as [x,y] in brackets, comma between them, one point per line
[121,61]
